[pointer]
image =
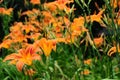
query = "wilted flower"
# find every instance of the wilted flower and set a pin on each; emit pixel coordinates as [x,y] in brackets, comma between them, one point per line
[29,72]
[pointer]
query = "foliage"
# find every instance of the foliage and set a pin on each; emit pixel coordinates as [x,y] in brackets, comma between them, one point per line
[44,40]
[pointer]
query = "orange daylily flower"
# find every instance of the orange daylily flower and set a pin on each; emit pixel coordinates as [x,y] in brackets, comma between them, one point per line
[35,1]
[47,45]
[113,50]
[78,21]
[31,13]
[6,43]
[118,20]
[62,3]
[58,4]
[32,25]
[51,6]
[16,27]
[28,28]
[64,20]
[98,41]
[77,27]
[24,57]
[115,3]
[88,61]
[71,38]
[48,18]
[34,36]
[34,22]
[25,44]
[6,11]
[85,72]
[17,36]
[58,26]
[96,17]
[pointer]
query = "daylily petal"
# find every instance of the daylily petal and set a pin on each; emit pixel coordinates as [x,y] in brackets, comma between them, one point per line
[47,46]
[35,1]
[12,56]
[19,65]
[36,57]
[98,41]
[111,51]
